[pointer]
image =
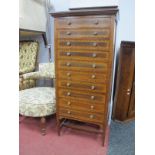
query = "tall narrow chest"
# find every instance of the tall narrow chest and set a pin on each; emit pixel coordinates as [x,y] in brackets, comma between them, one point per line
[84,53]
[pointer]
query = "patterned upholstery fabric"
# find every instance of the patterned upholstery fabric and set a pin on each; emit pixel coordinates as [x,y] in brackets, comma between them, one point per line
[25,84]
[37,102]
[46,70]
[27,61]
[27,56]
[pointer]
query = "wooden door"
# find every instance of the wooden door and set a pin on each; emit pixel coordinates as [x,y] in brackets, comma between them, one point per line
[125,76]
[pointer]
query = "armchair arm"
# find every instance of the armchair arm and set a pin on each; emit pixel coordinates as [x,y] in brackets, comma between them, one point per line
[38,75]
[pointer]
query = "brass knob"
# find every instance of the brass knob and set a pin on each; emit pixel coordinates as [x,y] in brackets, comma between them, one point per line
[68,112]
[69,23]
[93,76]
[94,44]
[128,89]
[128,93]
[68,33]
[68,43]
[92,107]
[68,74]
[68,84]
[96,22]
[94,55]
[92,97]
[68,94]
[92,87]
[68,103]
[68,54]
[95,33]
[94,65]
[91,116]
[68,64]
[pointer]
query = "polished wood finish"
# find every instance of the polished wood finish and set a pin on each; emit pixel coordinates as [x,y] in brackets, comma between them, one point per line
[124,102]
[84,51]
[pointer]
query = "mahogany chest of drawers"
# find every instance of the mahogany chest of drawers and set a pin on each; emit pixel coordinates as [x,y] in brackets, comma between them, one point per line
[84,52]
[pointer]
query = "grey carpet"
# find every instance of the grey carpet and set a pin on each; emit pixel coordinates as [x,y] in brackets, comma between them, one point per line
[122,138]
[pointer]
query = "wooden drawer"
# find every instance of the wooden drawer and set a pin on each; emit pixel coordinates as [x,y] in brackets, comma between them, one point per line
[84,77]
[73,65]
[103,45]
[81,105]
[81,95]
[84,55]
[81,115]
[83,22]
[84,33]
[101,88]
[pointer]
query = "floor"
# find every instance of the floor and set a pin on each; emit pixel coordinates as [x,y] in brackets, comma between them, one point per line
[71,142]
[122,138]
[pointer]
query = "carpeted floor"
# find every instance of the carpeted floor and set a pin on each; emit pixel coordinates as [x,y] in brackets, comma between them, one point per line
[122,138]
[71,142]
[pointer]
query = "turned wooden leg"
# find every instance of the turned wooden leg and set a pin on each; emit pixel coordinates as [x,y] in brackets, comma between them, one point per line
[43,125]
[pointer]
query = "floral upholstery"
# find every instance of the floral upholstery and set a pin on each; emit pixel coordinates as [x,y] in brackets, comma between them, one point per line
[37,102]
[25,84]
[46,70]
[27,61]
[27,56]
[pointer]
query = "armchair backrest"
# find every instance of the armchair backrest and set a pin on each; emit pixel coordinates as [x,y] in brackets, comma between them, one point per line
[28,51]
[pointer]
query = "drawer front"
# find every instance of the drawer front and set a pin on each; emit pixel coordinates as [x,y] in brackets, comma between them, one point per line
[84,55]
[81,115]
[85,77]
[88,96]
[100,88]
[83,22]
[82,66]
[103,45]
[81,105]
[84,34]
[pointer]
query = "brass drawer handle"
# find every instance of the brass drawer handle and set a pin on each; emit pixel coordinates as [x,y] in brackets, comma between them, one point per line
[92,97]
[93,76]
[68,112]
[92,87]
[91,116]
[94,65]
[94,44]
[68,43]
[68,103]
[94,55]
[92,107]
[128,93]
[128,89]
[68,94]
[68,74]
[68,84]
[68,64]
[95,33]
[69,22]
[68,54]
[96,22]
[68,33]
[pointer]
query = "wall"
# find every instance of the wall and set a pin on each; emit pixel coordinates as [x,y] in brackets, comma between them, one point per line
[32,14]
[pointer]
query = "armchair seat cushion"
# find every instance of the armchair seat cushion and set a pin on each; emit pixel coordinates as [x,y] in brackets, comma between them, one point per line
[37,102]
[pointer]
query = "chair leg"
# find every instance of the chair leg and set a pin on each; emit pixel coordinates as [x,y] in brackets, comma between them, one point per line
[43,125]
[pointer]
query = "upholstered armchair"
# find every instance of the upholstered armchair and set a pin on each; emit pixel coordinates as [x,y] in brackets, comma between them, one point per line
[28,51]
[38,101]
